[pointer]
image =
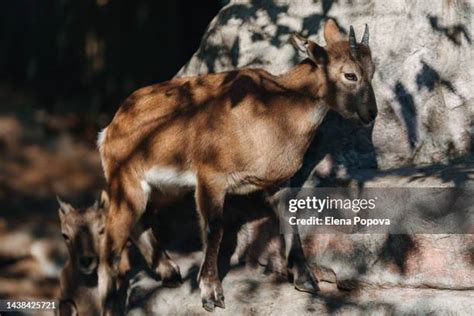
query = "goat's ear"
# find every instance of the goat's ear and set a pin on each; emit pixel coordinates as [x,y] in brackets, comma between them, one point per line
[299,42]
[64,208]
[332,34]
[104,200]
[318,54]
[309,48]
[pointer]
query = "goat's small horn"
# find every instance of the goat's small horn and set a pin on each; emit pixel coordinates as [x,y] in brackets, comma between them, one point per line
[352,40]
[365,37]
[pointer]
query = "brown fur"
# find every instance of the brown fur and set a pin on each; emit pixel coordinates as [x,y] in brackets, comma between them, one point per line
[236,131]
[82,230]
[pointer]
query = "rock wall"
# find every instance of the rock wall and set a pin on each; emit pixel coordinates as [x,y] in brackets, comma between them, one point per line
[423,53]
[354,261]
[440,261]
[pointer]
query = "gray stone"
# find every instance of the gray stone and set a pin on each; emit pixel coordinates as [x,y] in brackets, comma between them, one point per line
[249,291]
[423,52]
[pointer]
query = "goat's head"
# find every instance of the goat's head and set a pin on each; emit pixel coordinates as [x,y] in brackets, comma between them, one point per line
[82,229]
[348,70]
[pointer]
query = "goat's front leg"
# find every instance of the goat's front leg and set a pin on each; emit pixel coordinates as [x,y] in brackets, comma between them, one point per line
[127,205]
[210,193]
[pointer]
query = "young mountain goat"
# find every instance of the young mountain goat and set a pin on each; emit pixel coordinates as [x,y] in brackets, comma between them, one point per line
[82,230]
[231,132]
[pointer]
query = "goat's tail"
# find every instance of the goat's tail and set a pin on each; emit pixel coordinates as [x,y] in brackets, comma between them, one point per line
[100,146]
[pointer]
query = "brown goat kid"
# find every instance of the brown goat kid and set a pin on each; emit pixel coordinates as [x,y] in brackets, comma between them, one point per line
[231,132]
[83,230]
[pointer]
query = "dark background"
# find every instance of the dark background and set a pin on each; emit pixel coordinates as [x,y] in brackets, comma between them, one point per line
[85,56]
[65,68]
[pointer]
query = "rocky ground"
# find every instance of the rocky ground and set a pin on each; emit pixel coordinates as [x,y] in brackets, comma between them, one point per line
[249,291]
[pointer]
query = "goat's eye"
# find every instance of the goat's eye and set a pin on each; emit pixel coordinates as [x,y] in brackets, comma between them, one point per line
[350,76]
[66,237]
[101,231]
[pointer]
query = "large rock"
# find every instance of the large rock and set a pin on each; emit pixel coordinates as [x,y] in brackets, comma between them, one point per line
[442,261]
[423,80]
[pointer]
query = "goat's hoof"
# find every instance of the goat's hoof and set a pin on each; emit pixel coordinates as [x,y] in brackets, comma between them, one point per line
[220,300]
[212,295]
[168,272]
[208,305]
[305,281]
[173,280]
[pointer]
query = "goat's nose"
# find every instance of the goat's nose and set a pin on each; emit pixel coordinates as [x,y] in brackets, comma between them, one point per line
[86,261]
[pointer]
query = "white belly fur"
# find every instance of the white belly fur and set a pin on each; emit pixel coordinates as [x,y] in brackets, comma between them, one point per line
[168,179]
[171,180]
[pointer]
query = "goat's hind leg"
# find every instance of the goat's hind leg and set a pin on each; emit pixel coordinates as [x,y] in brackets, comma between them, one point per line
[155,256]
[210,193]
[303,277]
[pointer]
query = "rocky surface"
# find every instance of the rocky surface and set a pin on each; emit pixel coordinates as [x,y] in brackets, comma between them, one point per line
[423,53]
[249,291]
